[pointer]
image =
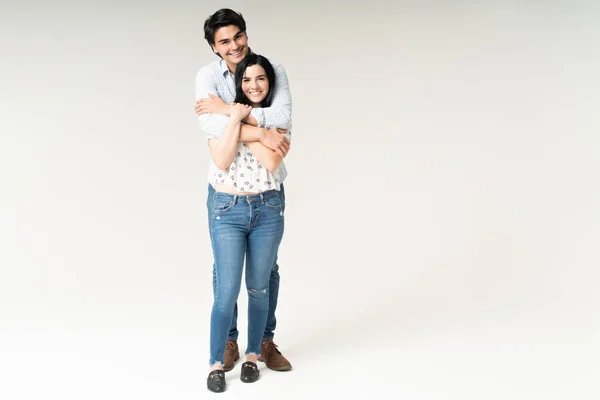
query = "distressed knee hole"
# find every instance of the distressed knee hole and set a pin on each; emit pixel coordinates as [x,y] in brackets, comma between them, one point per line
[257,291]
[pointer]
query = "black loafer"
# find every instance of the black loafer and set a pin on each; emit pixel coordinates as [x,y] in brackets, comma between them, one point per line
[249,372]
[216,381]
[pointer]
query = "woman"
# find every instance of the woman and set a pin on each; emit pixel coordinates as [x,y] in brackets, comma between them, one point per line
[245,220]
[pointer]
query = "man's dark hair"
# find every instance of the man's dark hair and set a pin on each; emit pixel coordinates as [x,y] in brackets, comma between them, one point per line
[250,60]
[223,17]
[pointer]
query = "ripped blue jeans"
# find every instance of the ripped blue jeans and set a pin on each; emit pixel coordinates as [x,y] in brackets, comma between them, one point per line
[249,227]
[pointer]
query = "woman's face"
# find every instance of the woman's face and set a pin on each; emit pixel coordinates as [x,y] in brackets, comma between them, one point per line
[255,84]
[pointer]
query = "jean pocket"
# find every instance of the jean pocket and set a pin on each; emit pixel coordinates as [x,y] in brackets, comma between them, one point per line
[273,200]
[221,207]
[222,203]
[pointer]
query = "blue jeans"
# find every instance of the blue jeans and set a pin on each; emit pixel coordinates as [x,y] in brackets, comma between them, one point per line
[273,283]
[249,227]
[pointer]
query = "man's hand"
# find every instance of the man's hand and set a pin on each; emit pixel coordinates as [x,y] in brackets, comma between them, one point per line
[212,105]
[275,140]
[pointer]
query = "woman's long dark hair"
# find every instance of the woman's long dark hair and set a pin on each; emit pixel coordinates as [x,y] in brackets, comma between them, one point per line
[250,60]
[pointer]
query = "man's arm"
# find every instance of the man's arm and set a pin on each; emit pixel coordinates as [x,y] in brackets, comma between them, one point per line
[279,114]
[214,113]
[274,139]
[212,124]
[267,157]
[213,118]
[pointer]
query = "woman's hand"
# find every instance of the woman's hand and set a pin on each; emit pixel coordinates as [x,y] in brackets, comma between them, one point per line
[239,111]
[212,105]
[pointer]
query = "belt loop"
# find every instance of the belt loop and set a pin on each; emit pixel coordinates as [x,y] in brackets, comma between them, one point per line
[262,198]
[234,200]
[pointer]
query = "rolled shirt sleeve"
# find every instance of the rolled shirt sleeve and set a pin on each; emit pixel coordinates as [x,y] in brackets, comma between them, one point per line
[212,124]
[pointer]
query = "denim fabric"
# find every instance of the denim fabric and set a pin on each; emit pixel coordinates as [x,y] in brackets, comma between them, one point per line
[249,227]
[273,282]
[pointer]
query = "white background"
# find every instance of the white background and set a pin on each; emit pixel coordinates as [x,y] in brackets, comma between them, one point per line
[442,229]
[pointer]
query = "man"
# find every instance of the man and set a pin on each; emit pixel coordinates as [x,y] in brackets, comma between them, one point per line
[225,32]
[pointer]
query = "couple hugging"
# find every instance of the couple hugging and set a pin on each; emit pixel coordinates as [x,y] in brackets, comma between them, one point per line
[244,106]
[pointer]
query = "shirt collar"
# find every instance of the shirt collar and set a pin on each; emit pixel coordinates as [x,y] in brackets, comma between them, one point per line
[224,67]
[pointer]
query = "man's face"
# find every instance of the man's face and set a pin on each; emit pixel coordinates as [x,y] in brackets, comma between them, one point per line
[231,44]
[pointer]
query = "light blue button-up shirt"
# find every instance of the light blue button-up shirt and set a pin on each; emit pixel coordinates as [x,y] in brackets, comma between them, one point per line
[217,79]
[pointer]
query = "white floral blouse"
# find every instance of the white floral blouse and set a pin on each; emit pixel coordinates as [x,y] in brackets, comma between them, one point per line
[246,174]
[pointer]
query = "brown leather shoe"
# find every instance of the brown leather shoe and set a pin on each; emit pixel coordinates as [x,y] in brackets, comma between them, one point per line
[272,357]
[232,354]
